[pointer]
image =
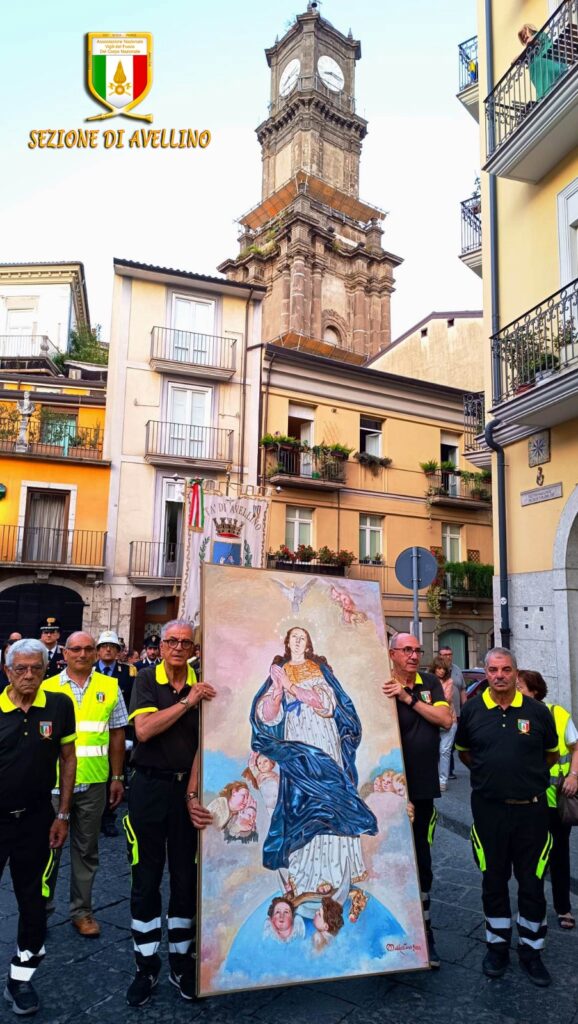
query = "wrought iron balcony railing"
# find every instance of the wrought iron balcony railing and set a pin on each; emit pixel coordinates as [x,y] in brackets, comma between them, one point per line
[444,486]
[468,58]
[155,560]
[51,439]
[469,579]
[539,344]
[186,441]
[474,419]
[471,224]
[26,346]
[203,350]
[532,78]
[304,464]
[58,548]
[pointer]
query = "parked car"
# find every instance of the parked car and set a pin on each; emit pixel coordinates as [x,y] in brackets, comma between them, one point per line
[475,680]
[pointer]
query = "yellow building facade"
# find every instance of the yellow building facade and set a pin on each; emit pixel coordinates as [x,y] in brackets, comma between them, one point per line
[528,114]
[442,345]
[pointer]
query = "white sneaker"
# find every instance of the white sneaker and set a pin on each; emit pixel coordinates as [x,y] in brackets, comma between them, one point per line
[443,786]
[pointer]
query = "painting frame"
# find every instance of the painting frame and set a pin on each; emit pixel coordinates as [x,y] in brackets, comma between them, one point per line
[417,947]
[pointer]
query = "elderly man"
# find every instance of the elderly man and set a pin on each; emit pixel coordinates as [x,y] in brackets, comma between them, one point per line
[422,711]
[163,807]
[509,741]
[37,731]
[101,719]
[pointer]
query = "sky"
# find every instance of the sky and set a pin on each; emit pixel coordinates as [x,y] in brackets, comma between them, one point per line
[178,208]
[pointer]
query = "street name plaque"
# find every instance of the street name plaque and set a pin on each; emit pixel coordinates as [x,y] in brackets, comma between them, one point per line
[538,494]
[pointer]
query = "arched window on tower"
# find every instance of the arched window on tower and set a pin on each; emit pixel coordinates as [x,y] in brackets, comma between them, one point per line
[332,336]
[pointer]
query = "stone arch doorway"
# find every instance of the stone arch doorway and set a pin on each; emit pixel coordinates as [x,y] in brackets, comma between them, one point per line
[461,642]
[565,587]
[23,606]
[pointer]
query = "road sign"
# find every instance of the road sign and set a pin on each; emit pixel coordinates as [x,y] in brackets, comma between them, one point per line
[416,568]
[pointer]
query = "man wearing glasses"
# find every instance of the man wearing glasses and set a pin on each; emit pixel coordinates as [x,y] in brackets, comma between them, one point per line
[101,718]
[161,808]
[422,711]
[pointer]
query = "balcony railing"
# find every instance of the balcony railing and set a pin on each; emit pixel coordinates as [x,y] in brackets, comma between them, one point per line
[202,350]
[468,58]
[155,560]
[445,487]
[306,83]
[26,346]
[528,84]
[470,579]
[58,548]
[541,343]
[51,439]
[474,419]
[314,567]
[304,464]
[471,224]
[185,441]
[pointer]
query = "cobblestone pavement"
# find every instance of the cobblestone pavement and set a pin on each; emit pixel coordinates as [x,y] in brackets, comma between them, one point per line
[86,979]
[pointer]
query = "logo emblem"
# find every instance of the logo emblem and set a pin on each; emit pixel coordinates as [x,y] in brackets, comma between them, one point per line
[523,725]
[426,696]
[101,697]
[119,71]
[45,730]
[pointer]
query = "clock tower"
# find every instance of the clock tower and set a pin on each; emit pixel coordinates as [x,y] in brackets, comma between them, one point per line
[311,239]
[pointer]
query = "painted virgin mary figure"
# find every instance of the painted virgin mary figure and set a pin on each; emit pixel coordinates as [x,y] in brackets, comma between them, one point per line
[304,721]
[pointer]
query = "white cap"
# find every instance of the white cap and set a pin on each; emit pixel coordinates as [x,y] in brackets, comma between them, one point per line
[109,637]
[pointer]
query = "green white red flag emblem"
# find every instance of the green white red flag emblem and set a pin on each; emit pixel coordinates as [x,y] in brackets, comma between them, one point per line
[120,71]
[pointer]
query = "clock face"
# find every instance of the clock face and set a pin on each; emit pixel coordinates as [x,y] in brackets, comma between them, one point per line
[289,77]
[330,73]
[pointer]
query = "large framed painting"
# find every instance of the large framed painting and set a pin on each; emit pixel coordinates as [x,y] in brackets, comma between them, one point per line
[307,872]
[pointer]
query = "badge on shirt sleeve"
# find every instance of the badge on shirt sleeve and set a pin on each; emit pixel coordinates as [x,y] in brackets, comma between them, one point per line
[45,730]
[426,696]
[101,697]
[523,725]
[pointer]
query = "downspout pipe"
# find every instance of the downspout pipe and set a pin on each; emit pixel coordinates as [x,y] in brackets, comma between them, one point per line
[505,630]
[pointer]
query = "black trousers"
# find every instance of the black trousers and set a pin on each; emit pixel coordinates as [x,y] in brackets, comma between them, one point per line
[559,862]
[159,829]
[24,845]
[508,837]
[424,824]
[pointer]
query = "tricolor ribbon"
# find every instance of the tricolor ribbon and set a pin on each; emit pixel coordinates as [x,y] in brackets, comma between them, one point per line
[197,506]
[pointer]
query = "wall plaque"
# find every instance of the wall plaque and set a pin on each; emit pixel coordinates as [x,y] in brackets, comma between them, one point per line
[540,494]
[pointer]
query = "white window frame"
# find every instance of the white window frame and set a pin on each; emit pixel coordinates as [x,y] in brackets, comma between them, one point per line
[368,433]
[302,517]
[189,345]
[451,532]
[567,202]
[367,530]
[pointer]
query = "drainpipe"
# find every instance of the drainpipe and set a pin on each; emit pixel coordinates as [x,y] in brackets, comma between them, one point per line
[244,390]
[502,538]
[265,411]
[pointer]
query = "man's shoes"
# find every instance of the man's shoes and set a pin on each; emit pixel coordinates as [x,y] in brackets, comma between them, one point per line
[495,963]
[87,926]
[141,988]
[109,829]
[535,970]
[22,996]
[433,956]
[185,983]
[443,787]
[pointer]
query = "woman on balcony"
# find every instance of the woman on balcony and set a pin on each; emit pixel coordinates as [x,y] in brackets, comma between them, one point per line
[544,70]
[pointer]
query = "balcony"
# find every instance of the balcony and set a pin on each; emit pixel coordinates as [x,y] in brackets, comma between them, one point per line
[51,439]
[469,93]
[468,581]
[27,351]
[293,467]
[196,355]
[313,83]
[313,567]
[153,563]
[535,362]
[471,253]
[474,420]
[59,550]
[183,444]
[532,113]
[453,490]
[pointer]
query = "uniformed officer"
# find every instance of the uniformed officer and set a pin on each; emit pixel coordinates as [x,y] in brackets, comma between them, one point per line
[37,730]
[164,710]
[509,742]
[108,649]
[49,630]
[152,652]
[422,711]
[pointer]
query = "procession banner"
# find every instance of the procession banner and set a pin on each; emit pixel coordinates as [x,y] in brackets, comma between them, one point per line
[308,869]
[219,530]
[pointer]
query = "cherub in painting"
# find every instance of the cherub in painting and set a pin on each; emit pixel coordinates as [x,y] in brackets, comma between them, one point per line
[349,611]
[261,774]
[327,922]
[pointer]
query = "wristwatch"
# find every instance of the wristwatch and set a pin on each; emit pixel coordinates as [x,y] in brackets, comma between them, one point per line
[185,701]
[63,817]
[117,778]
[414,697]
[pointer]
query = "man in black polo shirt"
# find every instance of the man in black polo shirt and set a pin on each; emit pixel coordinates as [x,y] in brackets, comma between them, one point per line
[422,711]
[509,743]
[164,709]
[37,730]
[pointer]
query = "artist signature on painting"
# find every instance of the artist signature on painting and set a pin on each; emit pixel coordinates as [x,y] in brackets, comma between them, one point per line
[402,947]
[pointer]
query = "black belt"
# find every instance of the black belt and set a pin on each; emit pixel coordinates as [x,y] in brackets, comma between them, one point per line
[162,773]
[9,814]
[532,800]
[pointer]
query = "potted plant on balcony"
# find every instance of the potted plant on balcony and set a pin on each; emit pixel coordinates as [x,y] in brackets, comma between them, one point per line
[339,451]
[544,366]
[429,467]
[305,553]
[278,440]
[84,446]
[345,558]
[283,557]
[373,462]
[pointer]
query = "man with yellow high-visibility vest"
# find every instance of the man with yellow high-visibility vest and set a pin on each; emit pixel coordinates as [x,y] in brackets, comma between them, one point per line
[509,742]
[101,718]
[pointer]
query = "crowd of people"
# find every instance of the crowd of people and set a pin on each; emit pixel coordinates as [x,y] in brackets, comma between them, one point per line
[72,715]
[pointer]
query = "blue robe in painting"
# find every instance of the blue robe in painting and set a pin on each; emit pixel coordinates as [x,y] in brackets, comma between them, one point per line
[316,796]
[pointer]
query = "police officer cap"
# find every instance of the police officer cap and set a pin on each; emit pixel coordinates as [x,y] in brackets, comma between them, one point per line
[108,637]
[48,623]
[153,640]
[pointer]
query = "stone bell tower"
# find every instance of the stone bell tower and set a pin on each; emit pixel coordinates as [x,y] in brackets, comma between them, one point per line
[311,239]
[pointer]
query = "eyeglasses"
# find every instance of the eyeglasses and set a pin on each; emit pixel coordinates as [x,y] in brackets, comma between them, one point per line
[173,643]
[81,650]
[21,670]
[408,651]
